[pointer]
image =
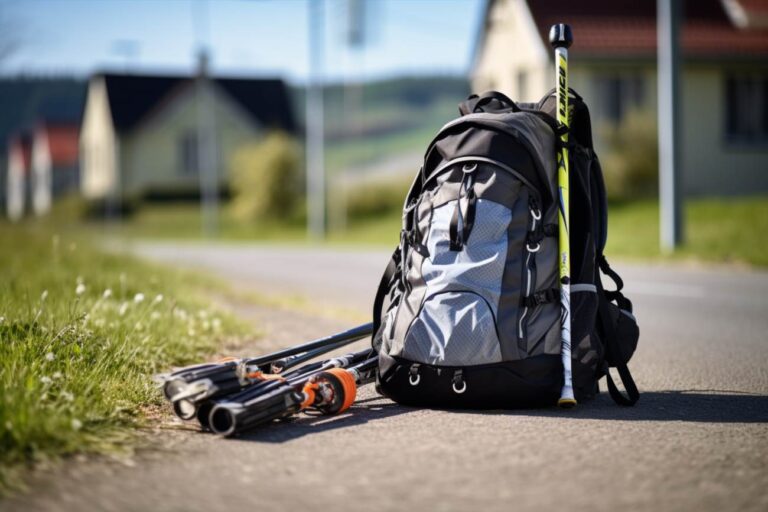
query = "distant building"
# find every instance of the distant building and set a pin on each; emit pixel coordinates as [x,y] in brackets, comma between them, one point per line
[17,182]
[724,85]
[54,170]
[141,134]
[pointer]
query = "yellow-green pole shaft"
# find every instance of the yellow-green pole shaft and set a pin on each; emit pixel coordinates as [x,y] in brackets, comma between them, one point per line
[561,67]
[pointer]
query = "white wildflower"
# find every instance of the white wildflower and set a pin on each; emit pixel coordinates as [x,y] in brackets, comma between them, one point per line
[44,295]
[8,425]
[107,293]
[49,356]
[202,313]
[66,395]
[76,424]
[139,326]
[216,324]
[180,313]
[123,309]
[158,298]
[138,298]
[80,289]
[45,379]
[57,375]
[191,332]
[155,315]
[2,319]
[206,325]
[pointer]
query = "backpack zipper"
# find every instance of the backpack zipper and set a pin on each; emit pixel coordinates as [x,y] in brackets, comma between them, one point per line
[485,160]
[529,275]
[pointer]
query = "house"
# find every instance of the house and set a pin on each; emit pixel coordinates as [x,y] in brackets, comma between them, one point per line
[25,101]
[17,181]
[155,135]
[724,80]
[54,171]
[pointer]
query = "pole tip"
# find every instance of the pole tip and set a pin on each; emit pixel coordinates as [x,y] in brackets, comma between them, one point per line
[560,35]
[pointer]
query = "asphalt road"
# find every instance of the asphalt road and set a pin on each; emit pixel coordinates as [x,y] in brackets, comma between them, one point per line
[697,440]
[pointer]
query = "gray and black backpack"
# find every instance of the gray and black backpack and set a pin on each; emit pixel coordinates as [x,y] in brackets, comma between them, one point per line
[468,312]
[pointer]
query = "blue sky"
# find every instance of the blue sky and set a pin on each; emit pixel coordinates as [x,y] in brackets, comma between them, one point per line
[251,37]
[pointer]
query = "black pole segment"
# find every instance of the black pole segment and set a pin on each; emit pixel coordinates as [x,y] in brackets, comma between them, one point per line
[354,334]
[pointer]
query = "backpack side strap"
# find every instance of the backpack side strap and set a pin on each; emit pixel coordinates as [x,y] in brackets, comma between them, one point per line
[613,348]
[385,285]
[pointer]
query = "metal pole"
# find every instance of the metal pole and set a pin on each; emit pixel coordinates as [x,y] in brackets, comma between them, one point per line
[315,164]
[671,215]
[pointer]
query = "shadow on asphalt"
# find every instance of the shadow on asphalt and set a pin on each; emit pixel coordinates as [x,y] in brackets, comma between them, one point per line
[699,406]
[370,409]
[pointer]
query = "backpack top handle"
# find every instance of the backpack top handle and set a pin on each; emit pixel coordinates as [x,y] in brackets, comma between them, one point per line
[491,101]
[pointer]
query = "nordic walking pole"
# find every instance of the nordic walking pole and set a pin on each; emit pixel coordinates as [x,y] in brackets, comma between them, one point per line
[561,38]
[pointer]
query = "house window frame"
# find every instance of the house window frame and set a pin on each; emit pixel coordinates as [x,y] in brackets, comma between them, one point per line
[736,136]
[625,90]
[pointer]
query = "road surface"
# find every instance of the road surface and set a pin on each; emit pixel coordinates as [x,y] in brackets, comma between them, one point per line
[697,440]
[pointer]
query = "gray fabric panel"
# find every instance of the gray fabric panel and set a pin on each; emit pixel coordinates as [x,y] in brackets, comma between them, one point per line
[480,265]
[540,319]
[583,288]
[509,304]
[453,329]
[491,183]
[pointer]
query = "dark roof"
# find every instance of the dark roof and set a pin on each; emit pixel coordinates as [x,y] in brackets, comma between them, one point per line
[132,97]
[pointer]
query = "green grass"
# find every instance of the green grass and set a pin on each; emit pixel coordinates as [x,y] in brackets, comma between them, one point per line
[81,334]
[717,230]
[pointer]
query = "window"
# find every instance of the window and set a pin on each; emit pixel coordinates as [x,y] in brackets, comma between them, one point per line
[746,108]
[616,94]
[189,154]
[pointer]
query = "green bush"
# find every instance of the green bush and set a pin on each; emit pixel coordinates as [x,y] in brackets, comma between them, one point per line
[631,164]
[378,198]
[266,179]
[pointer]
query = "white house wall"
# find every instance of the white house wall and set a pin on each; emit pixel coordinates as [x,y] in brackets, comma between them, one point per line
[512,46]
[98,145]
[151,156]
[714,166]
[41,179]
[16,187]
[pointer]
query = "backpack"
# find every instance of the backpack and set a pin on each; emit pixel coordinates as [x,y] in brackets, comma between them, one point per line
[467,314]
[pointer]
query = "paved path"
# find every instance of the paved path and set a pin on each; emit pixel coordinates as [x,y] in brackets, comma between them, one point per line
[698,440]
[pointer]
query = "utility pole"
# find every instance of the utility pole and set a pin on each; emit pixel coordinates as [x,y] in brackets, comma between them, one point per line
[207,159]
[668,14]
[315,155]
[207,152]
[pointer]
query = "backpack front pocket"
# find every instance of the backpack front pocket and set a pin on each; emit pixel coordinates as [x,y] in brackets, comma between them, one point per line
[453,328]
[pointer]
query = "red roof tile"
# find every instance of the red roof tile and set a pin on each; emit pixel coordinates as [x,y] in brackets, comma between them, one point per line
[63,143]
[624,28]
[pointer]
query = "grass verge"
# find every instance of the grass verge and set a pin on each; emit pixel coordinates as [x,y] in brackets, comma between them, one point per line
[81,333]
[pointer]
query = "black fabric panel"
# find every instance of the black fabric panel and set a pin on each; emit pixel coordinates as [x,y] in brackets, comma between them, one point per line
[533,382]
[468,140]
